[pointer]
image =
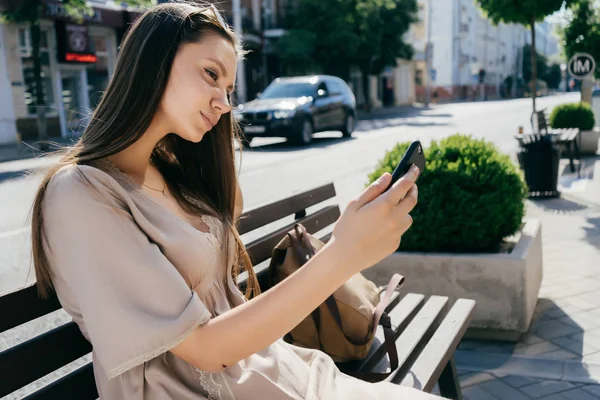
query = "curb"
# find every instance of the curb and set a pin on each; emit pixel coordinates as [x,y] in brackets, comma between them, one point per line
[534,367]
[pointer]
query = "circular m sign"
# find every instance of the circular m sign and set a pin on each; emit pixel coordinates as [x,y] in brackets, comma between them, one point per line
[581,66]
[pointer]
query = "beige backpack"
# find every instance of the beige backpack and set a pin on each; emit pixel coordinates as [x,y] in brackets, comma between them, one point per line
[344,325]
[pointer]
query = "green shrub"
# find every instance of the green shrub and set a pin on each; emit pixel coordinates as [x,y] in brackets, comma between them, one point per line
[471,196]
[573,115]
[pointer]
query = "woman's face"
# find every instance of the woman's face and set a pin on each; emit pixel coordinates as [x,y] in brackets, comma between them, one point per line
[202,77]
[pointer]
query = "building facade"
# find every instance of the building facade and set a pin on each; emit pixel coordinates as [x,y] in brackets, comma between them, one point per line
[77,61]
[470,56]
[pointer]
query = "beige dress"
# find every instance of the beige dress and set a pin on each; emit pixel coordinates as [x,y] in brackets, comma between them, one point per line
[138,279]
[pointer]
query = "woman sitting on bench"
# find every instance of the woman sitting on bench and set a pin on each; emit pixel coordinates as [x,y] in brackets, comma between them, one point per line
[135,230]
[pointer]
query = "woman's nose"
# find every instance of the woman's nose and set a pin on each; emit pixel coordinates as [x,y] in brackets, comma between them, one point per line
[221,104]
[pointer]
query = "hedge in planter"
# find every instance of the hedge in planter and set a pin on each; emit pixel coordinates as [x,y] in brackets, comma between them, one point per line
[470,196]
[573,115]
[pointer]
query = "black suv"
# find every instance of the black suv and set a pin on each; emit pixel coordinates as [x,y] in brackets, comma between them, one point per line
[297,107]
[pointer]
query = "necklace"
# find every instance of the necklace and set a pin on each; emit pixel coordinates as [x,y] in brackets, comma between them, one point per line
[157,190]
[115,168]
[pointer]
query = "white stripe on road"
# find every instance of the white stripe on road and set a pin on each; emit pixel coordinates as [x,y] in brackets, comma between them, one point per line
[20,231]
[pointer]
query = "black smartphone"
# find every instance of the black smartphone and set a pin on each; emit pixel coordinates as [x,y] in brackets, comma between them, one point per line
[414,155]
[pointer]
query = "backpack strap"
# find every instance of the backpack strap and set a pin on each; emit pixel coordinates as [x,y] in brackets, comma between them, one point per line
[304,252]
[380,318]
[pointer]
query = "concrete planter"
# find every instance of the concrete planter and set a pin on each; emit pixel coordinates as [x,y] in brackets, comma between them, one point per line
[505,286]
[588,141]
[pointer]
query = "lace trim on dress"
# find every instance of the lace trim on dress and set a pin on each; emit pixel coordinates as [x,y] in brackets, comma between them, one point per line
[215,228]
[214,385]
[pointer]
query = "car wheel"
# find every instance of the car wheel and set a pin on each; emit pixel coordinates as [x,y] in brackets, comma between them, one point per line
[349,125]
[306,131]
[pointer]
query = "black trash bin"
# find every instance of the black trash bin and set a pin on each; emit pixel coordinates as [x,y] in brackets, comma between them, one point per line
[539,158]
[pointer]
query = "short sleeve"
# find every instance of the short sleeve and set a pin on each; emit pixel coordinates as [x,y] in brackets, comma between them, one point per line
[133,302]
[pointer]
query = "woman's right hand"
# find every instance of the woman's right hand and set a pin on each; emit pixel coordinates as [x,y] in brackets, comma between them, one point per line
[372,225]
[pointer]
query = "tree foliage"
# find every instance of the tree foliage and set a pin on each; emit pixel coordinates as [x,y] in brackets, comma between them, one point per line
[335,35]
[553,76]
[541,64]
[582,33]
[524,12]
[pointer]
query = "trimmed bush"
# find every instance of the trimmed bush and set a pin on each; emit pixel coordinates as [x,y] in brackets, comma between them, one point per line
[471,197]
[573,115]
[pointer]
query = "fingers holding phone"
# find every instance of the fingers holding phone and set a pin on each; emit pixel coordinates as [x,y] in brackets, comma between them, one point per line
[402,188]
[372,225]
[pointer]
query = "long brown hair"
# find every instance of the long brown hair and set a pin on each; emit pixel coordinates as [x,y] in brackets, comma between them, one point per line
[204,170]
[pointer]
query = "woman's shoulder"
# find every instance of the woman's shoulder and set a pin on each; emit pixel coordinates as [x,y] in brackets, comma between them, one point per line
[76,182]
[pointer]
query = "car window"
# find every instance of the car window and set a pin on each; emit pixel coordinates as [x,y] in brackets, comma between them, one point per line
[336,88]
[288,89]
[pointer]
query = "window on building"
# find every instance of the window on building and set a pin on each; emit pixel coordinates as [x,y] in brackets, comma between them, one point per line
[97,73]
[28,75]
[419,77]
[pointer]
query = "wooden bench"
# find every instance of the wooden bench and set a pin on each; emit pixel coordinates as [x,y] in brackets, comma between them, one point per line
[427,330]
[567,138]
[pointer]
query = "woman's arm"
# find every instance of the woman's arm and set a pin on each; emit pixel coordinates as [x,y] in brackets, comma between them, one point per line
[369,229]
[254,325]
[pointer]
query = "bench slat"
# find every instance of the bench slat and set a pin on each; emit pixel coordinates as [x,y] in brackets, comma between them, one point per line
[356,364]
[41,355]
[79,384]
[401,317]
[266,214]
[261,249]
[417,334]
[427,369]
[23,305]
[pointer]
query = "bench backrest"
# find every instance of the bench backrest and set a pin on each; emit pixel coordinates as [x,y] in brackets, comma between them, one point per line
[26,362]
[540,121]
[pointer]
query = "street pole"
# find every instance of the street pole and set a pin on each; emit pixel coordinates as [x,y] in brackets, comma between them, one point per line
[513,89]
[485,58]
[428,56]
[518,64]
[586,90]
[241,71]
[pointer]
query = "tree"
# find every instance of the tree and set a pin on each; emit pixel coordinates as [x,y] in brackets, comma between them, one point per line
[553,76]
[30,12]
[295,50]
[582,33]
[525,12]
[380,26]
[337,35]
[320,37]
[541,64]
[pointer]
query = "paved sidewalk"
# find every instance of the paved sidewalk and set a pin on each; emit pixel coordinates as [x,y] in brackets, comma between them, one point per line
[560,356]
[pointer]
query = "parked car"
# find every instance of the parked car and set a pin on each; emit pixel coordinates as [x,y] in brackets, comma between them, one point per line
[295,108]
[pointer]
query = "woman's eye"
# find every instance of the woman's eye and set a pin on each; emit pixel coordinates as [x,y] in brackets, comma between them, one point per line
[212,74]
